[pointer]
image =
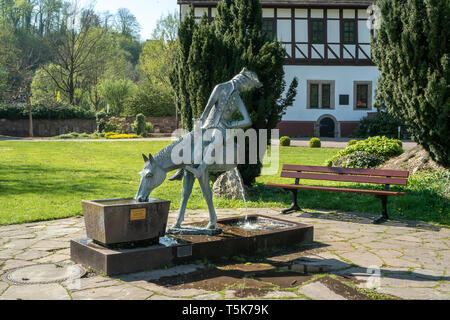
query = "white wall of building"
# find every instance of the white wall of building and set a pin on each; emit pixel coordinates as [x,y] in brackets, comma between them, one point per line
[344,77]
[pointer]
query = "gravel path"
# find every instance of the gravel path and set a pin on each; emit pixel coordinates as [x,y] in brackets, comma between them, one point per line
[338,143]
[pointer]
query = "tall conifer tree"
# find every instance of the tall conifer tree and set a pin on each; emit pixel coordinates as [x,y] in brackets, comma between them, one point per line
[412,51]
[211,53]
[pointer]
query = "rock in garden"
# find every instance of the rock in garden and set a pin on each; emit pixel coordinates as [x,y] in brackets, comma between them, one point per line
[230,186]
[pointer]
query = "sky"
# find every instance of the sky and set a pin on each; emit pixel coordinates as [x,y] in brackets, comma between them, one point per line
[147,12]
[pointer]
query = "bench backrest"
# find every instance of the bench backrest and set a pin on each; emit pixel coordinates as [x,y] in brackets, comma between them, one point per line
[387,177]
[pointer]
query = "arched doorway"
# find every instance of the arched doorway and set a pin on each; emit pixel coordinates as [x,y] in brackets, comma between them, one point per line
[327,128]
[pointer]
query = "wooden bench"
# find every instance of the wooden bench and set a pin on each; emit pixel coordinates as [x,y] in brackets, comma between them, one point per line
[383,177]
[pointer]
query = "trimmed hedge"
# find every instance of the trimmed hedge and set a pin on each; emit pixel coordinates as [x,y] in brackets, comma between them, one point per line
[50,111]
[315,143]
[285,141]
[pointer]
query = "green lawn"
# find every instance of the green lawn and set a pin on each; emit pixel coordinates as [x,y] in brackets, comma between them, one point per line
[48,180]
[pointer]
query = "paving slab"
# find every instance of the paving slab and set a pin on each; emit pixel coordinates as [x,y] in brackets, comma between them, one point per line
[54,258]
[52,291]
[50,245]
[280,295]
[444,287]
[17,233]
[164,291]
[160,297]
[19,244]
[32,255]
[95,282]
[319,291]
[406,281]
[362,258]
[14,263]
[415,293]
[123,292]
[209,296]
[3,286]
[429,273]
[9,253]
[161,273]
[401,263]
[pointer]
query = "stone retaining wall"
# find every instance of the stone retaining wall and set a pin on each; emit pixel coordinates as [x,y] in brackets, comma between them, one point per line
[160,124]
[51,128]
[45,128]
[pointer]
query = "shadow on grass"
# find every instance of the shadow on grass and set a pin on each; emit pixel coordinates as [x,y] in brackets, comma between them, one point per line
[39,179]
[410,210]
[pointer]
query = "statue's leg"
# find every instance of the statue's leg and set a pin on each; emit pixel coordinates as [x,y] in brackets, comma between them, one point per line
[201,169]
[207,194]
[188,183]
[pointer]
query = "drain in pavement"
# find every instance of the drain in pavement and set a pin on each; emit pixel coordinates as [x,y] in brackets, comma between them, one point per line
[43,274]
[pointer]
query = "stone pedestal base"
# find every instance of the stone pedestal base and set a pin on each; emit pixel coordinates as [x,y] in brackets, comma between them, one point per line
[194,231]
[232,241]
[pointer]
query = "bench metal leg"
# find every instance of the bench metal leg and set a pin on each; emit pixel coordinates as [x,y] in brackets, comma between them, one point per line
[384,213]
[294,206]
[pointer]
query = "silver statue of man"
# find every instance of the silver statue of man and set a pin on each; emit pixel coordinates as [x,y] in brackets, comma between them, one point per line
[222,104]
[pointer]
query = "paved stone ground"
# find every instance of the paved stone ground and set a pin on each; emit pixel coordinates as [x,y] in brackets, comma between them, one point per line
[400,259]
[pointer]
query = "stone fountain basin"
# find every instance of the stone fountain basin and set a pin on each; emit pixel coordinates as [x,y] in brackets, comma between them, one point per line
[235,239]
[124,220]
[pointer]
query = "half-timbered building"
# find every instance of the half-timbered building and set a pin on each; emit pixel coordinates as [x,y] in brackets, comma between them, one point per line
[327,46]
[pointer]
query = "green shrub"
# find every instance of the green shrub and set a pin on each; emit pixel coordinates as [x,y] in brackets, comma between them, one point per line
[380,147]
[84,135]
[151,101]
[65,136]
[116,92]
[285,141]
[117,124]
[382,124]
[352,142]
[315,143]
[101,118]
[359,159]
[50,110]
[431,181]
[139,125]
[149,127]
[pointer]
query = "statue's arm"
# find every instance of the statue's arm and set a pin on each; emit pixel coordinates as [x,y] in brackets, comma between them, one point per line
[247,122]
[212,101]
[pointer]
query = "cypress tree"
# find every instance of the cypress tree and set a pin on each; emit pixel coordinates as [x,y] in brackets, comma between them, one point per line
[217,52]
[411,49]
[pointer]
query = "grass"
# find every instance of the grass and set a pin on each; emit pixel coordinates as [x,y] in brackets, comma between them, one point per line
[47,180]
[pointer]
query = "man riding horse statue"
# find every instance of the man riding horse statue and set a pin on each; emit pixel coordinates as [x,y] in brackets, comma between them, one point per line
[217,120]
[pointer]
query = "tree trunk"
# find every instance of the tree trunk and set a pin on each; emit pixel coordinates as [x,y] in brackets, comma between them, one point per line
[30,117]
[71,89]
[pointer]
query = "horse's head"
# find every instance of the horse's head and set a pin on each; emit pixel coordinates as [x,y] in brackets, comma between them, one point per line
[152,176]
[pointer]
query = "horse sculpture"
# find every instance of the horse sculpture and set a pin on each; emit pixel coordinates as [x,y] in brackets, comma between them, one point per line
[224,101]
